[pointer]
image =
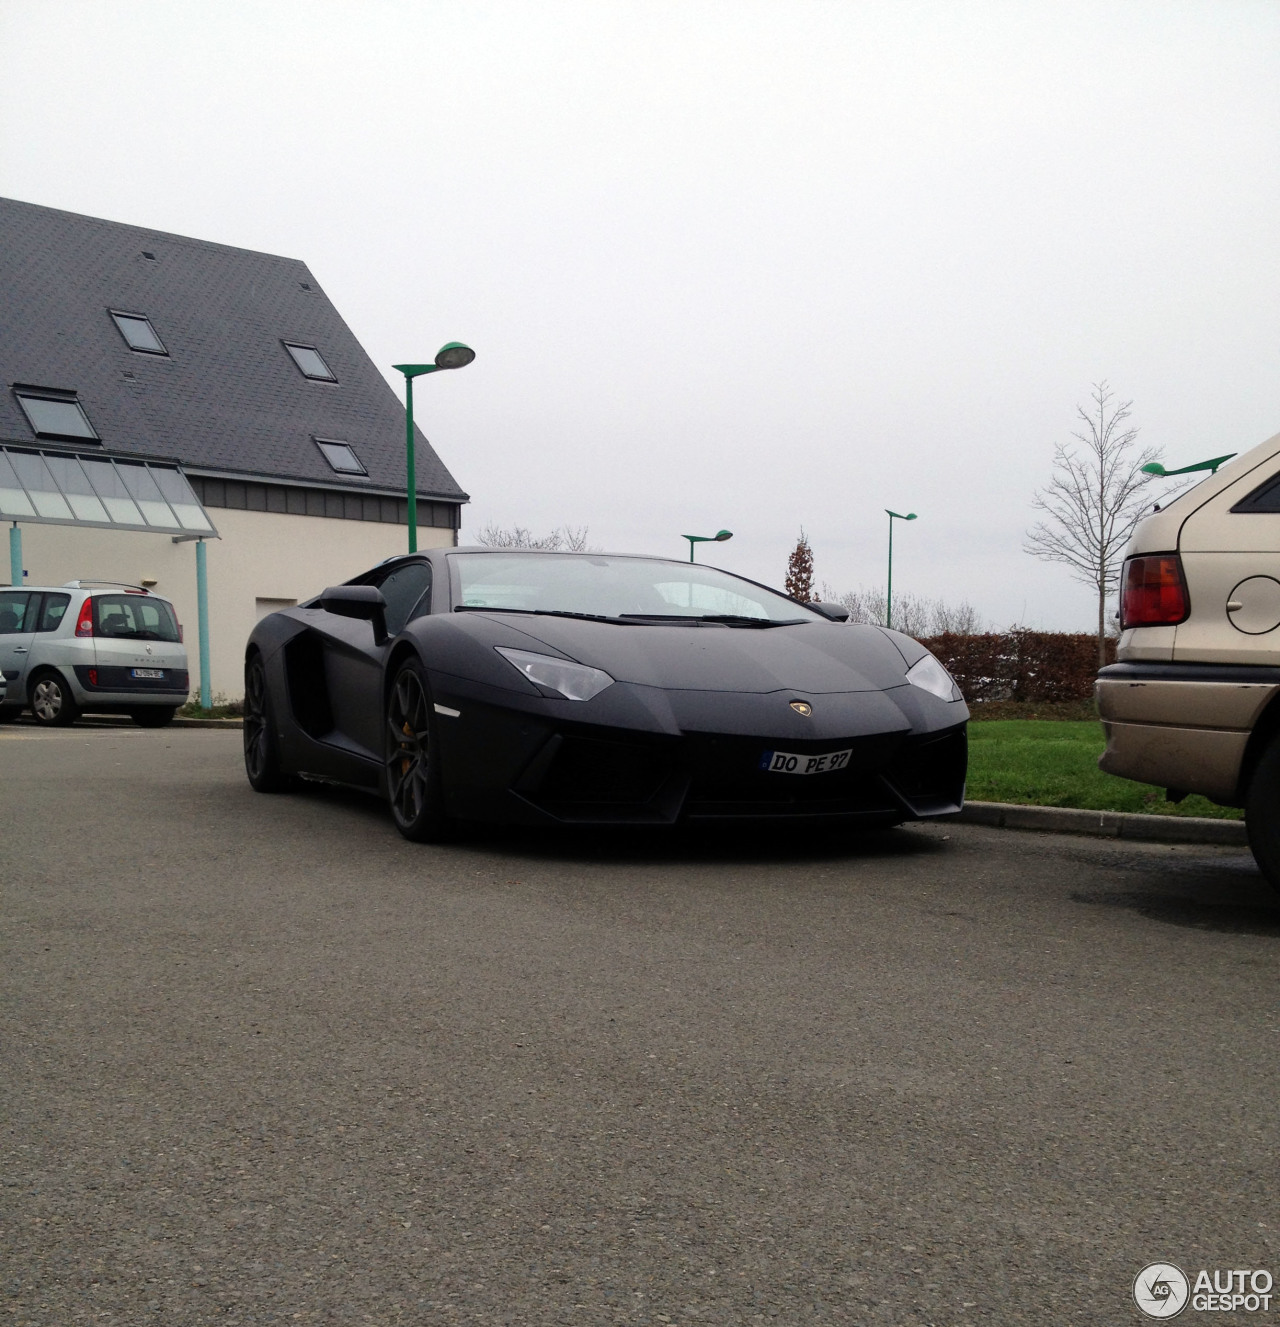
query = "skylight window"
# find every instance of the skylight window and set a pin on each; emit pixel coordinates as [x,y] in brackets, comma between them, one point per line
[310,361]
[340,457]
[138,333]
[54,414]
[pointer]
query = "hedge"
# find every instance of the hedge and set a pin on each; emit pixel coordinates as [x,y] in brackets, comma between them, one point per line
[1021,665]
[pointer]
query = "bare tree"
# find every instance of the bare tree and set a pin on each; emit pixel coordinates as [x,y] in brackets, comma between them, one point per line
[914,615]
[865,606]
[565,539]
[960,619]
[800,571]
[1095,498]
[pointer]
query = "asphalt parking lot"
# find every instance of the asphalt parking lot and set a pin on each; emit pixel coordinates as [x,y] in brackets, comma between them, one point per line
[266,1062]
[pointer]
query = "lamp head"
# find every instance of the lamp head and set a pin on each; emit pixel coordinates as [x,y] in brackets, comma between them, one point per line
[454,355]
[910,516]
[1211,465]
[722,535]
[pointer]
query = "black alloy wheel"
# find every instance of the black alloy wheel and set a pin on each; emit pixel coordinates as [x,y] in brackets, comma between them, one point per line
[262,763]
[52,703]
[1262,813]
[412,763]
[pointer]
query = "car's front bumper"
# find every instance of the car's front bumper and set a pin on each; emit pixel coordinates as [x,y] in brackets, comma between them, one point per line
[699,761]
[1182,726]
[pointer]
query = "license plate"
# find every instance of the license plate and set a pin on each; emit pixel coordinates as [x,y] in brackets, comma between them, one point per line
[148,672]
[785,762]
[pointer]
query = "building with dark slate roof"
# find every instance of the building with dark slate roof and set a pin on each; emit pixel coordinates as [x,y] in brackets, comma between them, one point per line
[123,342]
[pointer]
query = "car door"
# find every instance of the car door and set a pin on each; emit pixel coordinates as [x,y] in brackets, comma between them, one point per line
[17,630]
[355,661]
[51,644]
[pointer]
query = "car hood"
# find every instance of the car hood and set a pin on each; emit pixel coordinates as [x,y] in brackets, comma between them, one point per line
[811,658]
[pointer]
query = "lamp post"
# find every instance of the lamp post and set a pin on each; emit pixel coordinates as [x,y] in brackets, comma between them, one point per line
[454,355]
[718,538]
[888,598]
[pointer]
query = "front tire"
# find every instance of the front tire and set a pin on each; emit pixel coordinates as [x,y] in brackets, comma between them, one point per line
[414,786]
[52,703]
[262,765]
[1262,813]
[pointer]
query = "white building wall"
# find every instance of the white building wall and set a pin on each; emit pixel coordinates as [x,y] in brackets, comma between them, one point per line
[260,555]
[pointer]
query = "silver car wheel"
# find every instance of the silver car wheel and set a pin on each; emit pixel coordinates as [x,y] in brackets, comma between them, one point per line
[52,704]
[47,700]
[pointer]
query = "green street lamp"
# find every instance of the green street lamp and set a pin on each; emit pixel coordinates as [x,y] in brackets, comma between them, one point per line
[718,538]
[1211,465]
[454,355]
[888,598]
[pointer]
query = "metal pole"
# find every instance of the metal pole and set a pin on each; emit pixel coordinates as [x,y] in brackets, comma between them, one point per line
[202,614]
[412,482]
[15,555]
[888,597]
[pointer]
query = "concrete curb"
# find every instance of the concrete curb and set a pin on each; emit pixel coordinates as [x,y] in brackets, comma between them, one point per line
[1106,824]
[180,722]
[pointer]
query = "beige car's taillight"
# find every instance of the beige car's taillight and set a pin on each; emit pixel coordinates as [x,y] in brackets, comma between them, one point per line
[1154,592]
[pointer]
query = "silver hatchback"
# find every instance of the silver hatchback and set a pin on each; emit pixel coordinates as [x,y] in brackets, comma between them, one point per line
[91,646]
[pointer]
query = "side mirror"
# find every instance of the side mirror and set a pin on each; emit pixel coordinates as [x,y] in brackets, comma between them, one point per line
[363,602]
[834,612]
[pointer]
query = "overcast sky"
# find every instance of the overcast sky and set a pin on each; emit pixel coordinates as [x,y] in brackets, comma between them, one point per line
[755,265]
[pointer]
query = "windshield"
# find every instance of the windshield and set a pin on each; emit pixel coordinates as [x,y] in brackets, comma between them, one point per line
[621,588]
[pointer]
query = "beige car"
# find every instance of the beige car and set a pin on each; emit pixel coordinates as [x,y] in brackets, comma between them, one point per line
[1193,702]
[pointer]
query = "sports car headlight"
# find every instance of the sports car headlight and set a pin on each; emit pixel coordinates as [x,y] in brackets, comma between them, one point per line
[929,675]
[574,681]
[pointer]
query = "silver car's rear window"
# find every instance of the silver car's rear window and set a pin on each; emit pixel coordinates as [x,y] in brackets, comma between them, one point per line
[133,617]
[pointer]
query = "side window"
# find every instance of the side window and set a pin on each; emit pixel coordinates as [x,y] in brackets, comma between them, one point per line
[403,590]
[1266,497]
[13,612]
[52,611]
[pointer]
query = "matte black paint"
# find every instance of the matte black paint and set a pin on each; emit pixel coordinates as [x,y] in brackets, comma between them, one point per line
[678,735]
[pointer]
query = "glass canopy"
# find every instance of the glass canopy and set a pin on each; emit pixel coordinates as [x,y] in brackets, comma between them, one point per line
[59,488]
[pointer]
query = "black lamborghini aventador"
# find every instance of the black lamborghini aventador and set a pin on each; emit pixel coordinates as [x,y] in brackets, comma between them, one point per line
[576,688]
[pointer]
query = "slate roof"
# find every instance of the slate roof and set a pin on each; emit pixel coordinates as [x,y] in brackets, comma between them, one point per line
[228,398]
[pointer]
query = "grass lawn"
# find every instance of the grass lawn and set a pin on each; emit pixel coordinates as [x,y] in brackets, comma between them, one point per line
[222,708]
[1039,762]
